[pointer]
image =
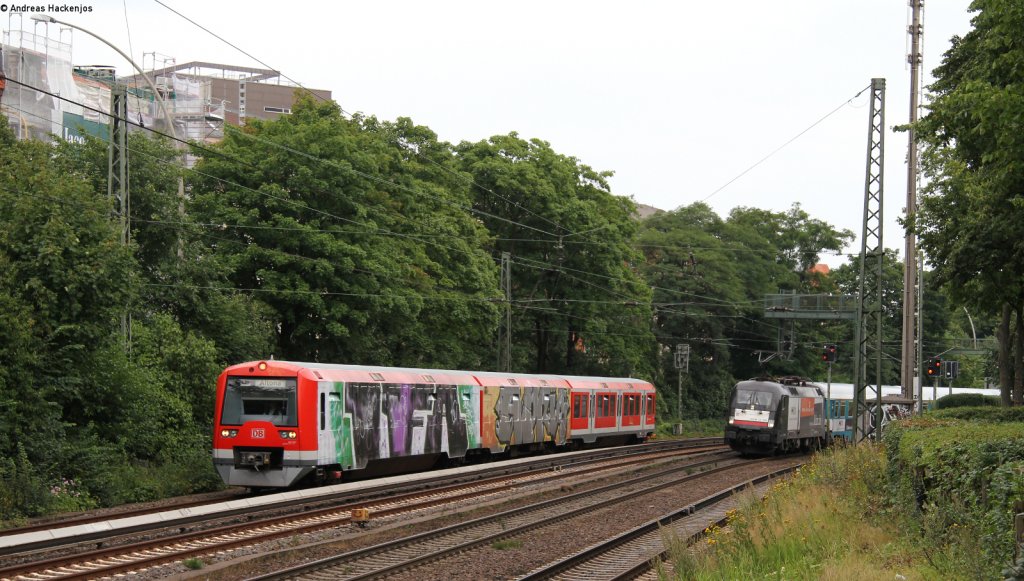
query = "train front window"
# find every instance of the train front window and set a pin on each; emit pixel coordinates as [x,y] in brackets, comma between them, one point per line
[260,398]
[753,400]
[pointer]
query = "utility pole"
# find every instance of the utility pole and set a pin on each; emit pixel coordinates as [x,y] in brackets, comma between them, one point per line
[505,328]
[872,253]
[682,361]
[910,313]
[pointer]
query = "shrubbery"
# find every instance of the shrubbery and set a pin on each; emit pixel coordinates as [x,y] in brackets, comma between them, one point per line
[986,414]
[957,481]
[958,400]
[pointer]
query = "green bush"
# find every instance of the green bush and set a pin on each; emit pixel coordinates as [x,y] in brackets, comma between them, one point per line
[958,480]
[959,400]
[987,414]
[23,490]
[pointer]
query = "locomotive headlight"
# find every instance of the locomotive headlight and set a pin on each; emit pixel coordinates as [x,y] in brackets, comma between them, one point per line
[771,423]
[262,365]
[732,421]
[288,434]
[228,433]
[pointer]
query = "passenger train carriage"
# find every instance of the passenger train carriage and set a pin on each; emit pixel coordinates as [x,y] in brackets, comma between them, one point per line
[279,422]
[776,415]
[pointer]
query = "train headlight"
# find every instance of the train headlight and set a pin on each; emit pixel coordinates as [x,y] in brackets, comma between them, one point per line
[228,433]
[262,366]
[771,423]
[288,434]
[732,421]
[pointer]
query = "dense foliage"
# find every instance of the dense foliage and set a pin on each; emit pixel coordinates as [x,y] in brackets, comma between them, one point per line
[987,413]
[971,220]
[958,481]
[959,400]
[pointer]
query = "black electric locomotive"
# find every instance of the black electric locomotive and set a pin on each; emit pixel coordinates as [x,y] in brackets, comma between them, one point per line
[769,416]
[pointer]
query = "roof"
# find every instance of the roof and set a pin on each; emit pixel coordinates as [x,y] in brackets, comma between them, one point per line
[415,375]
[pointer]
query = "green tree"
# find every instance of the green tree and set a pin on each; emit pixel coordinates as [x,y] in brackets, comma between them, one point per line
[971,221]
[580,306]
[698,291]
[178,275]
[359,248]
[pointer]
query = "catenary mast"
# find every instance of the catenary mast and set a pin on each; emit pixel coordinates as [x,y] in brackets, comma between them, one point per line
[909,367]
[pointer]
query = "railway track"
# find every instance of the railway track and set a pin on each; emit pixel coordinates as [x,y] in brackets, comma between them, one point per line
[93,529]
[390,558]
[128,557]
[631,554]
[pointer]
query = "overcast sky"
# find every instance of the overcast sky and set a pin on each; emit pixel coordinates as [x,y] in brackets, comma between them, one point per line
[676,97]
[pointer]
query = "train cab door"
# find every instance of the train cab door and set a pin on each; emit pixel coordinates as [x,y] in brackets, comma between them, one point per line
[334,442]
[650,409]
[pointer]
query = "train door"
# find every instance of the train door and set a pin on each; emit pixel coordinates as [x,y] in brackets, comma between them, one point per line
[793,413]
[591,421]
[580,417]
[649,398]
[334,442]
[643,410]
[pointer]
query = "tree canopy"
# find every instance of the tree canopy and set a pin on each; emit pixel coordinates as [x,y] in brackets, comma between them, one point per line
[971,221]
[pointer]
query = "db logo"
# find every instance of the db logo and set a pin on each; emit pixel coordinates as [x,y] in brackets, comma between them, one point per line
[259,433]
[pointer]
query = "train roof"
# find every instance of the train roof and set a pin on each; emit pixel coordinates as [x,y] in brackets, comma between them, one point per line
[782,387]
[370,373]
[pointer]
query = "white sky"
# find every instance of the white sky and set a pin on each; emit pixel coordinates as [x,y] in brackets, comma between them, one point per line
[676,97]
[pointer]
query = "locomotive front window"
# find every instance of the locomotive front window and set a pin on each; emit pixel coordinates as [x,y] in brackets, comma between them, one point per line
[260,398]
[753,400]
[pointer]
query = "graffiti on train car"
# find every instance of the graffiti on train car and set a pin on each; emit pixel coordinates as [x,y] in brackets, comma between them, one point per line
[531,414]
[396,420]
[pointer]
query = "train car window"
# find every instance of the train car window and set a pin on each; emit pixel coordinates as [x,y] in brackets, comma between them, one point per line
[323,411]
[260,398]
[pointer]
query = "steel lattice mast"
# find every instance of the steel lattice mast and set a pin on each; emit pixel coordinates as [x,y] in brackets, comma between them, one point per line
[872,253]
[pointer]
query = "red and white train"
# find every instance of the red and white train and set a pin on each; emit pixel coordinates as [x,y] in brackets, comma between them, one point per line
[278,422]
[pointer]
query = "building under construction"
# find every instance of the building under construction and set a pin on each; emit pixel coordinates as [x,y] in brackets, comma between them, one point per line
[45,95]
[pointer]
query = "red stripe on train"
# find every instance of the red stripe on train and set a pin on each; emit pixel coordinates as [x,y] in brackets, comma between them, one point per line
[748,423]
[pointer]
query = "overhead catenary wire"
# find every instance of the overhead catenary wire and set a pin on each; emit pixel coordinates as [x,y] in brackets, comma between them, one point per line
[331,163]
[319,97]
[316,210]
[780,148]
[221,154]
[294,202]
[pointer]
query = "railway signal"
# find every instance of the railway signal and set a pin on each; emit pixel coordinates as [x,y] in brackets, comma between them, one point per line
[951,369]
[935,367]
[829,354]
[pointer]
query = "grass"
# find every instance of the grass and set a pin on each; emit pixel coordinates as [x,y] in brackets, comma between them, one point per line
[194,563]
[829,521]
[507,544]
[702,428]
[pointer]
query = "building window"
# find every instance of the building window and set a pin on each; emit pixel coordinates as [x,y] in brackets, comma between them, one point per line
[284,110]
